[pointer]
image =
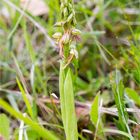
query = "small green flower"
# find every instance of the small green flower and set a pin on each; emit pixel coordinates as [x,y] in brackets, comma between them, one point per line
[73,50]
[59,24]
[76,31]
[70,17]
[66,38]
[57,35]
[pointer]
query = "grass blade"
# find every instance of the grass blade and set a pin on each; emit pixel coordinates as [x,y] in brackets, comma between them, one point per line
[94,113]
[4,127]
[118,89]
[95,117]
[44,133]
[107,130]
[29,108]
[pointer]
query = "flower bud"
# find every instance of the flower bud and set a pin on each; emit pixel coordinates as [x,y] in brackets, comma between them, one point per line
[62,6]
[74,21]
[70,6]
[65,12]
[70,17]
[73,12]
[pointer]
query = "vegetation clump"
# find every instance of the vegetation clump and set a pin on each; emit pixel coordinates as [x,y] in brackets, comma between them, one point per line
[87,90]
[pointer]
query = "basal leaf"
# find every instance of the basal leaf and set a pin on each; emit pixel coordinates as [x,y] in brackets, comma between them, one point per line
[71,122]
[4,127]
